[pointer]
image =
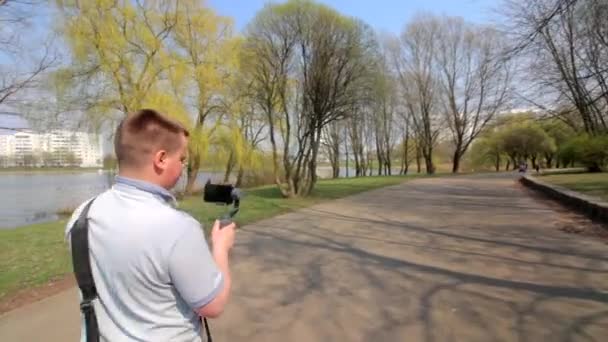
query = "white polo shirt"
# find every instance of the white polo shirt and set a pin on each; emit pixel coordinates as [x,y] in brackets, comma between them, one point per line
[151,265]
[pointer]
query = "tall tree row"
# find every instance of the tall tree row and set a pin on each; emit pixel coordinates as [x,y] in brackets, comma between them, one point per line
[453,75]
[304,83]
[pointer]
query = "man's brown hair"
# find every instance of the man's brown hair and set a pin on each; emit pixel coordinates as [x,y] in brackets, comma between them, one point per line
[144,132]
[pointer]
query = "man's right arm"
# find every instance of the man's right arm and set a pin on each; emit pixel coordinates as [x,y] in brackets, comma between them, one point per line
[222,239]
[202,278]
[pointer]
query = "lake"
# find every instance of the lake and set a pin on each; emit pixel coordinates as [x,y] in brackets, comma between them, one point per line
[27,198]
[34,197]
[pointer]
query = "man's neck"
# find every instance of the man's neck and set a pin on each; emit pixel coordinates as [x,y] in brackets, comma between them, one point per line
[139,175]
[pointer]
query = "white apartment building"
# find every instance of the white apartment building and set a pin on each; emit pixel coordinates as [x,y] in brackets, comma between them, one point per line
[6,144]
[25,147]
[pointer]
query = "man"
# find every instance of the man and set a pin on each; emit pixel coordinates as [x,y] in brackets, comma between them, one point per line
[154,272]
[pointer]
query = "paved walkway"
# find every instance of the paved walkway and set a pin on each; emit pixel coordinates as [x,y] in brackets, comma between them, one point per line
[442,259]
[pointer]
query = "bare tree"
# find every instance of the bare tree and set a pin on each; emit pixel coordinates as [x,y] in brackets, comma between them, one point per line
[408,145]
[565,44]
[332,142]
[21,70]
[413,60]
[359,132]
[253,127]
[384,111]
[271,41]
[474,78]
[307,63]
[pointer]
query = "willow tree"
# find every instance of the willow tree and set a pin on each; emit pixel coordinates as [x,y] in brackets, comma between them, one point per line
[245,128]
[173,56]
[306,62]
[119,56]
[207,52]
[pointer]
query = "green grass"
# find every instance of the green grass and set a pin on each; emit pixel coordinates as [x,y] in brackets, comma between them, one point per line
[593,184]
[36,254]
[32,255]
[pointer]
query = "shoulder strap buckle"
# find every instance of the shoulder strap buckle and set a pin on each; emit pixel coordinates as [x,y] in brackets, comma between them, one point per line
[86,306]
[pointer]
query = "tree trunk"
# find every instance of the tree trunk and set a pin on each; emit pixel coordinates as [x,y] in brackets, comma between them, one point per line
[345,151]
[456,157]
[335,171]
[549,160]
[239,177]
[406,142]
[193,168]
[312,168]
[427,152]
[335,163]
[229,166]
[418,157]
[357,164]
[497,162]
[275,162]
[514,162]
[456,162]
[430,168]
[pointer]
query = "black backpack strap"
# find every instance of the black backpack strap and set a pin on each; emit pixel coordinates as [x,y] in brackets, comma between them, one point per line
[207,331]
[82,270]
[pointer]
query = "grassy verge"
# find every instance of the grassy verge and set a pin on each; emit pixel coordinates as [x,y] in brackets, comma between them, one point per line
[36,254]
[31,256]
[593,184]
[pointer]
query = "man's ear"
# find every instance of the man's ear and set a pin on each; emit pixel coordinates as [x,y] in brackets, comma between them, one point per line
[160,159]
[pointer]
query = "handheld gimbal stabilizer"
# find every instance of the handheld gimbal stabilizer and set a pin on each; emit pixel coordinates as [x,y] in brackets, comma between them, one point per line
[223,194]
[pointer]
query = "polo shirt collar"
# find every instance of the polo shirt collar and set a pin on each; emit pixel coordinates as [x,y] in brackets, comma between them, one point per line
[154,189]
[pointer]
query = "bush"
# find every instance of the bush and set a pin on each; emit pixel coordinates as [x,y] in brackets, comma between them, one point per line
[591,151]
[567,153]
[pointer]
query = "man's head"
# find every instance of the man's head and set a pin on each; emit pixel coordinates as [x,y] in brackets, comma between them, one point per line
[151,147]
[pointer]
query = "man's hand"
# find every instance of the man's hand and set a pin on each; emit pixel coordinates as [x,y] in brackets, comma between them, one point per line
[222,238]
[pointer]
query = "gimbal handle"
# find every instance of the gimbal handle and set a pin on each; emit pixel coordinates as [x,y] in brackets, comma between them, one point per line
[227,219]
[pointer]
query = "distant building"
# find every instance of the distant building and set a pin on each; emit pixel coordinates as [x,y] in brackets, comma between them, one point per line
[22,146]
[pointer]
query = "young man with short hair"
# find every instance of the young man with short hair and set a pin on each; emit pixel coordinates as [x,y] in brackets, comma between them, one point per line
[154,272]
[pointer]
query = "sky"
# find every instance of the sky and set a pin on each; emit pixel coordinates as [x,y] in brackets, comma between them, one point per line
[383,15]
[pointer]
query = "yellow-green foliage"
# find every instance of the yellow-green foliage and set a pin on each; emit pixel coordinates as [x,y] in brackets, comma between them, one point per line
[177,57]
